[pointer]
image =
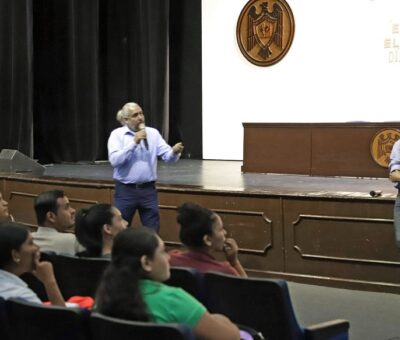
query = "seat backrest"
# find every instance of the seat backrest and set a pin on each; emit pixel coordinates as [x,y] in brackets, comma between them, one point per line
[105,328]
[35,321]
[78,275]
[4,332]
[189,279]
[263,304]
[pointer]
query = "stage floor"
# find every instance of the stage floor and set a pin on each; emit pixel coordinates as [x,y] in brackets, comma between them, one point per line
[227,176]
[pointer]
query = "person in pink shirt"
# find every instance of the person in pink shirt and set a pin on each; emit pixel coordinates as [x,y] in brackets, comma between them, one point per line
[202,232]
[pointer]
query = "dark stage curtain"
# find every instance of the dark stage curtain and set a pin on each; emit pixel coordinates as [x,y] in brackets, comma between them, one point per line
[135,51]
[152,55]
[66,95]
[67,67]
[91,57]
[186,76]
[16,75]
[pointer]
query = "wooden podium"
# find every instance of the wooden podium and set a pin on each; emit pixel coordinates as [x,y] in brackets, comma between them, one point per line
[316,149]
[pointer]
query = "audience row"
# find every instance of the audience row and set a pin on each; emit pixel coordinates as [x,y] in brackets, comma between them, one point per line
[201,231]
[132,286]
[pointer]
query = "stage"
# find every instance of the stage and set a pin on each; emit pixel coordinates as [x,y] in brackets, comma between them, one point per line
[322,230]
[227,176]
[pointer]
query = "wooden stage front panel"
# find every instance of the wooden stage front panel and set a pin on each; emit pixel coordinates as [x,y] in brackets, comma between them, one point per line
[339,241]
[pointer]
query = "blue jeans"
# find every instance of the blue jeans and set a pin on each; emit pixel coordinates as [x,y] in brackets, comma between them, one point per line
[397,220]
[128,199]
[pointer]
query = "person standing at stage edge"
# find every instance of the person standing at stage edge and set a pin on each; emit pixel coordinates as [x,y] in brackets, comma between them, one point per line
[394,175]
[132,151]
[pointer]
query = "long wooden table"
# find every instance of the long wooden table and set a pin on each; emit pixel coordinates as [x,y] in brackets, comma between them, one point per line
[317,149]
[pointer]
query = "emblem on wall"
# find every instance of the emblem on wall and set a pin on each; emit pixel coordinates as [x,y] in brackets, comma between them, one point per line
[382,144]
[265,31]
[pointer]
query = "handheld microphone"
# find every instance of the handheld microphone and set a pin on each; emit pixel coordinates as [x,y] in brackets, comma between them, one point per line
[143,127]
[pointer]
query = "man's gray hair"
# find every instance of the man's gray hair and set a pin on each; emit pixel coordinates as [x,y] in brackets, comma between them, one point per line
[126,111]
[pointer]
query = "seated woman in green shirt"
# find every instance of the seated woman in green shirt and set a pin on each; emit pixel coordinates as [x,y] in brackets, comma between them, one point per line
[132,288]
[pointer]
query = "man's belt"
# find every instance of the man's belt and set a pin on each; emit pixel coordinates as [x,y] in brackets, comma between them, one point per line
[144,185]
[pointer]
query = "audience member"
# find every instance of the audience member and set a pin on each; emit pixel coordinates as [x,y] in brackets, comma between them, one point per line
[202,232]
[54,216]
[132,288]
[19,254]
[96,227]
[4,213]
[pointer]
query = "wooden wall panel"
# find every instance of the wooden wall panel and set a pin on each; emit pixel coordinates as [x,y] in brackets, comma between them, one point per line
[322,238]
[253,229]
[21,206]
[350,240]
[169,229]
[21,194]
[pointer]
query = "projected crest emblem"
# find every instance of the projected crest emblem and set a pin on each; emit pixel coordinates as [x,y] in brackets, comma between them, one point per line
[265,31]
[382,144]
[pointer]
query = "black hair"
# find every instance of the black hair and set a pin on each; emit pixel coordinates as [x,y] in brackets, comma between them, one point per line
[12,236]
[89,227]
[195,222]
[119,294]
[45,202]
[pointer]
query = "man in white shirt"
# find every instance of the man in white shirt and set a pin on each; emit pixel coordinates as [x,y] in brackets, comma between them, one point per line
[133,151]
[55,215]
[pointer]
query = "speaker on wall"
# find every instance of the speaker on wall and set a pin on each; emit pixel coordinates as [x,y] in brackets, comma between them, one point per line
[15,161]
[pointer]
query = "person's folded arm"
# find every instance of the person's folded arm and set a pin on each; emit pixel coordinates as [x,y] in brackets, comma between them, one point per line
[216,327]
[45,273]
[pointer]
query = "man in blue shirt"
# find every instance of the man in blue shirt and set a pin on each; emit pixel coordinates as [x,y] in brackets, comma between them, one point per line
[133,150]
[394,176]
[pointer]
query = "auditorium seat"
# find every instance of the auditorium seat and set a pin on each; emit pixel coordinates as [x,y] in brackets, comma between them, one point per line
[35,321]
[3,320]
[192,281]
[74,275]
[189,279]
[78,275]
[106,328]
[265,305]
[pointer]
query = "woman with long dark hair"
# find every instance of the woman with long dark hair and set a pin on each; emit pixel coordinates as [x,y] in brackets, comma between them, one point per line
[96,227]
[18,255]
[132,288]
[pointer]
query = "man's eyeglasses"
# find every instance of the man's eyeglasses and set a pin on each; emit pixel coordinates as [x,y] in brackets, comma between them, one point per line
[135,114]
